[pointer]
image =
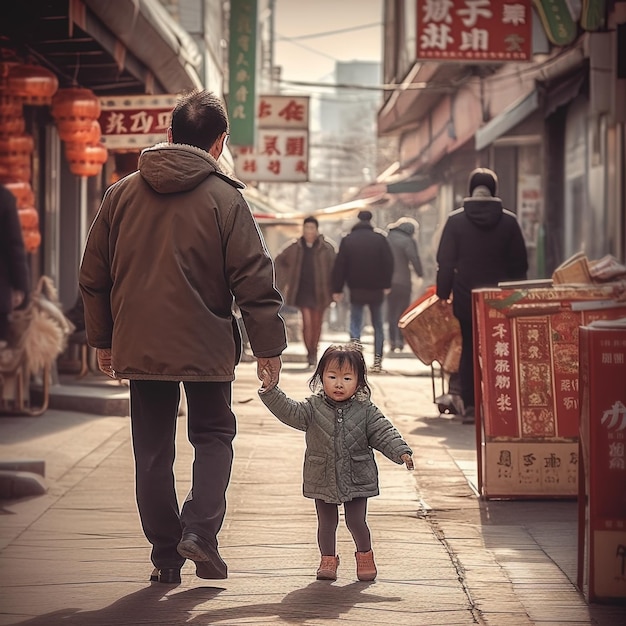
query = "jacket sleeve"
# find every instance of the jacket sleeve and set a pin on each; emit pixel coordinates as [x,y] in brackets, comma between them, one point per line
[288,411]
[383,436]
[386,261]
[414,257]
[340,269]
[446,262]
[250,273]
[95,280]
[517,262]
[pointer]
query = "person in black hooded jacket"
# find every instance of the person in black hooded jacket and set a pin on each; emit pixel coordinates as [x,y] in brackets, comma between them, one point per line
[481,245]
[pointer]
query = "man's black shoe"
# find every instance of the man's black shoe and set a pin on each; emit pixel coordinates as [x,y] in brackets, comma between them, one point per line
[209,563]
[167,575]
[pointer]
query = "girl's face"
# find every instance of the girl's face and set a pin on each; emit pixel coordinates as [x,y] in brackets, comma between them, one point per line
[339,383]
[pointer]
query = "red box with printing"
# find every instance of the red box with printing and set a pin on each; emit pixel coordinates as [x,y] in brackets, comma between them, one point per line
[527,385]
[602,500]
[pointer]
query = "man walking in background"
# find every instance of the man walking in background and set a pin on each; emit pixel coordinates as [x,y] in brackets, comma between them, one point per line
[303,274]
[173,247]
[481,245]
[365,264]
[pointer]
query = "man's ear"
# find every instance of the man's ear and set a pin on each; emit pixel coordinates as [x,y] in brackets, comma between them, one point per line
[218,147]
[169,135]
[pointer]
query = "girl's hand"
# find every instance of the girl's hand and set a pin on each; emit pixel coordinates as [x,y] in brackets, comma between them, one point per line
[407,459]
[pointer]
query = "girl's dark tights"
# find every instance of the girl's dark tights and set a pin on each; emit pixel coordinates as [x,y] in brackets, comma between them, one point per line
[356,520]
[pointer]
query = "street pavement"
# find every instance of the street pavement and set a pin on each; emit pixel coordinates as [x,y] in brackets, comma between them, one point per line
[76,554]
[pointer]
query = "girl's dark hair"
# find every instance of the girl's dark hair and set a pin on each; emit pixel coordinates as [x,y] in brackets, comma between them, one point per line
[198,119]
[343,355]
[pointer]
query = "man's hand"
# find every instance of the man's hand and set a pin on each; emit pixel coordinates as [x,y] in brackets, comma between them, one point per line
[407,459]
[337,297]
[268,372]
[104,362]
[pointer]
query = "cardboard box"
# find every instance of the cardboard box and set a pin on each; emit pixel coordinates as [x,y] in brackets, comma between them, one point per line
[526,374]
[603,446]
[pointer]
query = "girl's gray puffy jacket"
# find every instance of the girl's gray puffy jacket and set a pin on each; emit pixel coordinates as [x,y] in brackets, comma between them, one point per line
[339,461]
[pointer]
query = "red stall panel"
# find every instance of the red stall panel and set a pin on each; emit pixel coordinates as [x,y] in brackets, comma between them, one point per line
[527,389]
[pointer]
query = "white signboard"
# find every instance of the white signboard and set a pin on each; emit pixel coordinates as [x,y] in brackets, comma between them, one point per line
[281,152]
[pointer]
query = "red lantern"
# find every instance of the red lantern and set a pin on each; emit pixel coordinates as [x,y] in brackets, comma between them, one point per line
[32,239]
[87,135]
[15,172]
[86,159]
[10,105]
[16,149]
[32,83]
[12,125]
[74,110]
[29,218]
[23,193]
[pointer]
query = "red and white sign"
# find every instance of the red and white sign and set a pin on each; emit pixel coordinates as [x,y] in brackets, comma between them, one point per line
[135,122]
[281,152]
[474,30]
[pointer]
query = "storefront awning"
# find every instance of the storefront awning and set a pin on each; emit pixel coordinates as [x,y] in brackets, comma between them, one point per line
[507,120]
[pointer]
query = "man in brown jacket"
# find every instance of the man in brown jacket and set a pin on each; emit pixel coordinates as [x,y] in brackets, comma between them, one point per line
[173,247]
[303,271]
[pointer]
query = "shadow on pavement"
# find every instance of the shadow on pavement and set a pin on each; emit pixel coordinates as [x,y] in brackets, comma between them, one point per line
[159,604]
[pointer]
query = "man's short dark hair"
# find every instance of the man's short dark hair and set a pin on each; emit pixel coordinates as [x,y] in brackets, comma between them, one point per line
[311,220]
[198,119]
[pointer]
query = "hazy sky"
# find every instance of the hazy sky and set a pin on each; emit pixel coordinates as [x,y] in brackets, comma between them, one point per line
[312,59]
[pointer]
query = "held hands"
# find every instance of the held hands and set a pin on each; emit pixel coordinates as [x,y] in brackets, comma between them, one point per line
[268,372]
[104,362]
[407,459]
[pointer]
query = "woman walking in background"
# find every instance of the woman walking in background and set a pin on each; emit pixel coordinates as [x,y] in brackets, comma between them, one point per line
[405,256]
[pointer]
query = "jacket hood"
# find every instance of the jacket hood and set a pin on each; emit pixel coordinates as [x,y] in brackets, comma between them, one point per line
[406,228]
[363,225]
[172,167]
[483,212]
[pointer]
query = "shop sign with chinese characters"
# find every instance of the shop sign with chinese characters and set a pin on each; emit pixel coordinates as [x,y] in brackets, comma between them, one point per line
[135,122]
[281,151]
[242,66]
[474,30]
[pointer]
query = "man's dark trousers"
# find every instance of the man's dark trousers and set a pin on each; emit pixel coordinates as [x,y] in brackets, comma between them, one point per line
[211,429]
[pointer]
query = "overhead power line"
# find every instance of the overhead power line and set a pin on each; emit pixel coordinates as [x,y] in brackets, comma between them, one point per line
[328,33]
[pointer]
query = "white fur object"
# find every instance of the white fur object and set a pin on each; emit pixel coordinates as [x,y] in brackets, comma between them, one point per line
[46,335]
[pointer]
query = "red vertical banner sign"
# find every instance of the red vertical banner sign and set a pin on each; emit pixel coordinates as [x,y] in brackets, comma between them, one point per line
[474,30]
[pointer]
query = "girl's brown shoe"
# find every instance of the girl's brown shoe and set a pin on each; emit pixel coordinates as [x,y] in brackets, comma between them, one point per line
[365,566]
[328,568]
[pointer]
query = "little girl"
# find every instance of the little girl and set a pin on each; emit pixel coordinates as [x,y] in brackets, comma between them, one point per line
[342,426]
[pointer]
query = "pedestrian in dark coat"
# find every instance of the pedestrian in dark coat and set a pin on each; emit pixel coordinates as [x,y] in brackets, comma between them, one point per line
[365,264]
[14,271]
[303,274]
[481,245]
[172,250]
[405,255]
